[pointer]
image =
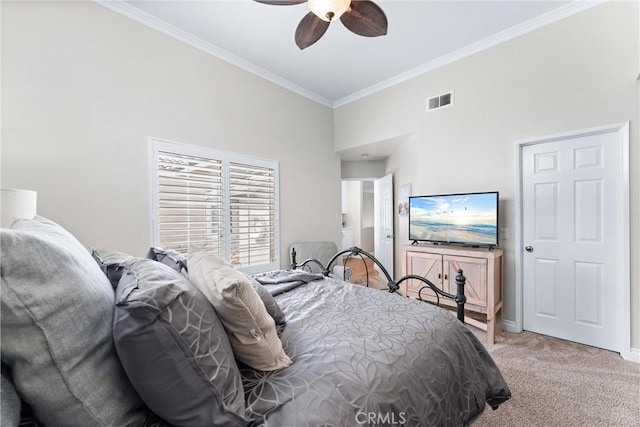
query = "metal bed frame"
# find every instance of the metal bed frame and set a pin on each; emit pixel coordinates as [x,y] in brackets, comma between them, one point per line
[393,285]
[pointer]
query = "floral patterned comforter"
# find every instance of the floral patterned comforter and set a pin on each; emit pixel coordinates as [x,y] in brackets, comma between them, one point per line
[367,357]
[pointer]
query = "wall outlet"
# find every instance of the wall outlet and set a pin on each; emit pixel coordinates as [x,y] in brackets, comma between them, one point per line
[504,233]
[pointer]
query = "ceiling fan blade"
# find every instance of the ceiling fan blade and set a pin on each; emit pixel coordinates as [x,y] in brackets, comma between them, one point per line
[365,18]
[309,30]
[281,2]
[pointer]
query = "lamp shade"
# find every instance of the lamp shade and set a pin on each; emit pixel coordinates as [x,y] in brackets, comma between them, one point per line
[16,204]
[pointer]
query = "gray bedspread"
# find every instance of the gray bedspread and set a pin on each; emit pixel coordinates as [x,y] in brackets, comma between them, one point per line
[366,357]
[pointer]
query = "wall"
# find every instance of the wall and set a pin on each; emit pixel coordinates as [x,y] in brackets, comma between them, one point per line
[360,170]
[574,74]
[83,90]
[404,164]
[367,209]
[367,234]
[353,216]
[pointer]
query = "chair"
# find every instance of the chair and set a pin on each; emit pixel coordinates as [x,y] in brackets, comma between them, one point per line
[323,252]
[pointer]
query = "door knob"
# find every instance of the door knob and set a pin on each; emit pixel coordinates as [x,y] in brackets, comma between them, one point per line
[528,248]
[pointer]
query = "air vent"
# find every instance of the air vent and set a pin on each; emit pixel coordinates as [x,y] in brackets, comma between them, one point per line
[439,101]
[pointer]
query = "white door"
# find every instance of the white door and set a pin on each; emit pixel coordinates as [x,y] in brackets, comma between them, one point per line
[573,247]
[383,221]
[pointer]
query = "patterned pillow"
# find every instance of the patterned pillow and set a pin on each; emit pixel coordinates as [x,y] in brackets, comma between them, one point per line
[170,257]
[174,348]
[252,332]
[57,313]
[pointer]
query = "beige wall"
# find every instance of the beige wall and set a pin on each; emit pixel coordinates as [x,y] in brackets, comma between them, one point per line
[359,170]
[83,90]
[574,74]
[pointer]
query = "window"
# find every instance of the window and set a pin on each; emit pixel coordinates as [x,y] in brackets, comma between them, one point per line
[222,202]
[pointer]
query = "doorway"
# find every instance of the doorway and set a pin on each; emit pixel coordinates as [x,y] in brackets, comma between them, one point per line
[367,218]
[357,214]
[572,239]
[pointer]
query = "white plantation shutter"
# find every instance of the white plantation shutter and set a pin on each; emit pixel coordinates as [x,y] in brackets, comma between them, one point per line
[252,212]
[190,202]
[222,202]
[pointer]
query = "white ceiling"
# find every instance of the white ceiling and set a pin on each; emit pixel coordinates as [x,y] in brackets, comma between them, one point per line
[342,66]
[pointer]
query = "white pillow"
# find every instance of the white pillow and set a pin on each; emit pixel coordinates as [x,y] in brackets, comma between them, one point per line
[251,330]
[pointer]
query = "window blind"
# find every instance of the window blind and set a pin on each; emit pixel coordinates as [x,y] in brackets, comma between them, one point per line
[221,202]
[190,202]
[252,212]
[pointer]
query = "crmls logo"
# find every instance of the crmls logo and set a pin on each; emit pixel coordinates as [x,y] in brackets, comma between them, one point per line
[376,418]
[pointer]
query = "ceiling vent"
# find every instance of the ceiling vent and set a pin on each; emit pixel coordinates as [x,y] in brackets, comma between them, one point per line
[439,101]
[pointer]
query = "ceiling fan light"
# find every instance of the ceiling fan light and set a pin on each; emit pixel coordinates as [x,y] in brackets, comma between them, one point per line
[328,10]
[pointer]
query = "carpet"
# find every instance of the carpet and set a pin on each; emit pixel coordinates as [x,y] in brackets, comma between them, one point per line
[560,383]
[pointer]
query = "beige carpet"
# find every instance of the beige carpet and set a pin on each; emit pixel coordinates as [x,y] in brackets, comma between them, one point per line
[559,383]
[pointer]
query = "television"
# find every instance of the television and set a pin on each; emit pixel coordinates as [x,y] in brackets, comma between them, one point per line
[467,219]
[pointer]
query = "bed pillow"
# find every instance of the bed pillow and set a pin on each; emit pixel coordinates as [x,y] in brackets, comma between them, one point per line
[170,257]
[9,400]
[251,330]
[57,313]
[270,303]
[110,262]
[174,348]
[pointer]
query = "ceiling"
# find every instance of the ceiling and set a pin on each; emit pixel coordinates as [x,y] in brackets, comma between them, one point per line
[341,66]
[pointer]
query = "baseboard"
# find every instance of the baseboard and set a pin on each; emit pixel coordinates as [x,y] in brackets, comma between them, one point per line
[509,326]
[633,355]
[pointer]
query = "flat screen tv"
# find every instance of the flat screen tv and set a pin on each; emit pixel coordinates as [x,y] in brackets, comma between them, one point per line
[467,219]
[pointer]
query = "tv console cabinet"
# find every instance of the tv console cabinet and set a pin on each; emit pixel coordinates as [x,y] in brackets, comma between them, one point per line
[482,267]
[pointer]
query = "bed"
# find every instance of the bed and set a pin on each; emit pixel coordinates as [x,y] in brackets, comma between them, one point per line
[365,356]
[163,356]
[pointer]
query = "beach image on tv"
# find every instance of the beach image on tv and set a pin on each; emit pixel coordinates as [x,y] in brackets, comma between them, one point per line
[469,218]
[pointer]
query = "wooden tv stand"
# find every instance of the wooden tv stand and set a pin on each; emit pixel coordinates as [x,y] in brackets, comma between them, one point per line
[482,267]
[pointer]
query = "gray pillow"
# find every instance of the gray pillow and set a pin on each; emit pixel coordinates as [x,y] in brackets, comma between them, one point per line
[174,348]
[110,262]
[169,257]
[10,401]
[57,314]
[270,304]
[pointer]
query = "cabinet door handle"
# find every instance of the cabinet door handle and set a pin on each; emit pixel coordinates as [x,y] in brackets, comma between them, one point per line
[439,276]
[446,277]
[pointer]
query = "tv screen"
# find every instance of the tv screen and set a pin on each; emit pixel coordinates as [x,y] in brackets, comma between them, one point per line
[469,219]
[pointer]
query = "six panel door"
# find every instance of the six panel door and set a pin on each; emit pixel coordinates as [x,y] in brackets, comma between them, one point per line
[571,273]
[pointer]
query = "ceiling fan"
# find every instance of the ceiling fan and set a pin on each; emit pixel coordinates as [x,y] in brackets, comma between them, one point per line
[361,17]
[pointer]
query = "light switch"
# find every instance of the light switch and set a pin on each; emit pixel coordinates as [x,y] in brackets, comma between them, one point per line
[504,233]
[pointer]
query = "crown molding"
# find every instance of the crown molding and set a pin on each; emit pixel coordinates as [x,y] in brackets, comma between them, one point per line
[555,15]
[151,21]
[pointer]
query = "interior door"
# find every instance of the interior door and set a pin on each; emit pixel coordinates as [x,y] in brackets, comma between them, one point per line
[573,247]
[383,221]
